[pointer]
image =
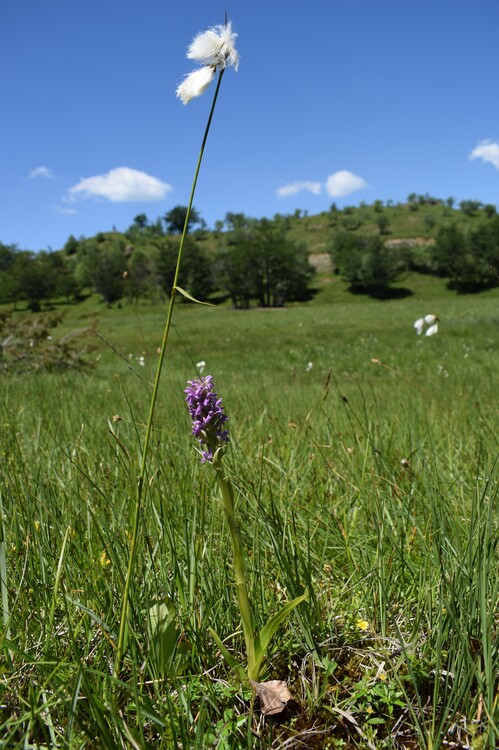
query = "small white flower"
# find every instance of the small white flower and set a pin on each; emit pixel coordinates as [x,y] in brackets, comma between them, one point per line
[309,366]
[430,319]
[432,330]
[215,49]
[141,361]
[200,366]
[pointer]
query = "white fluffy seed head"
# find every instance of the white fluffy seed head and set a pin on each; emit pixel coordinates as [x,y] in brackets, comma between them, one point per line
[215,47]
[418,325]
[195,83]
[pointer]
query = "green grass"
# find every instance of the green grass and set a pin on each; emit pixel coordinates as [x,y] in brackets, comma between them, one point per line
[370,478]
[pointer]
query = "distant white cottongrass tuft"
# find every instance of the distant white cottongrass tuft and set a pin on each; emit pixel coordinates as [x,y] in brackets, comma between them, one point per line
[429,320]
[215,49]
[309,366]
[200,366]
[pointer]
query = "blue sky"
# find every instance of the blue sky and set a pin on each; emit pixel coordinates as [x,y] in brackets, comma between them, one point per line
[333,101]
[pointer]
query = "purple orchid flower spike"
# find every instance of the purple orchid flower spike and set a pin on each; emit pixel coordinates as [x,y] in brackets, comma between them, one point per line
[207,416]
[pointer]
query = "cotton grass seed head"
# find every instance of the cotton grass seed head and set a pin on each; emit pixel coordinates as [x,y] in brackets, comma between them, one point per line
[215,50]
[215,47]
[195,83]
[428,320]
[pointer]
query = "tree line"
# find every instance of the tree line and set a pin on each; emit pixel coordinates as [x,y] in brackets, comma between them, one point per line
[467,257]
[257,261]
[251,260]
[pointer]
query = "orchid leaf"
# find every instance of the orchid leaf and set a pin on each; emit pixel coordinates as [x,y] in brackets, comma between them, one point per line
[192,299]
[233,663]
[262,640]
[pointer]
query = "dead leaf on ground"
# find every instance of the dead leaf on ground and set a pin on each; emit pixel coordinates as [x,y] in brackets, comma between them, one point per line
[274,696]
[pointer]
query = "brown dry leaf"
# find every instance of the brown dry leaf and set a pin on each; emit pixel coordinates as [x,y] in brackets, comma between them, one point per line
[273,694]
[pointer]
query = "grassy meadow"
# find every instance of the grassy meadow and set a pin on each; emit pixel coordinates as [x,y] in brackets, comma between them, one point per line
[365,462]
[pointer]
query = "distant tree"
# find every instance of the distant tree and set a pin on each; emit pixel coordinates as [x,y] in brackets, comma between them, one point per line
[139,276]
[33,278]
[451,246]
[175,219]
[156,229]
[489,210]
[429,221]
[333,214]
[470,261]
[60,269]
[71,245]
[196,270]
[261,261]
[231,268]
[236,222]
[8,283]
[366,263]
[383,223]
[450,202]
[378,206]
[218,227]
[141,221]
[101,264]
[470,208]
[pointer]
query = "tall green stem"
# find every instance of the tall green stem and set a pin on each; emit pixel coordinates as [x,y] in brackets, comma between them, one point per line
[120,649]
[239,570]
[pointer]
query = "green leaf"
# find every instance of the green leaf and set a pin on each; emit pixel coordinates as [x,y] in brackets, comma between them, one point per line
[167,656]
[233,663]
[262,640]
[192,299]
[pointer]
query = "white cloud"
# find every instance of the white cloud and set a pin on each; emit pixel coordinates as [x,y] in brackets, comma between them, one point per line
[343,183]
[40,172]
[297,187]
[66,210]
[337,185]
[487,152]
[121,185]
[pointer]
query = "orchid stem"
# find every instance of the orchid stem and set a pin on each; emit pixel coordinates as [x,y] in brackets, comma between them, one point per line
[239,569]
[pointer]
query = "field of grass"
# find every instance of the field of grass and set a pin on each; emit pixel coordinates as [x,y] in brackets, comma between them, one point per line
[365,463]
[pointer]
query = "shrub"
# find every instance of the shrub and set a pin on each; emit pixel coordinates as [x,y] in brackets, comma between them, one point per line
[27,344]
